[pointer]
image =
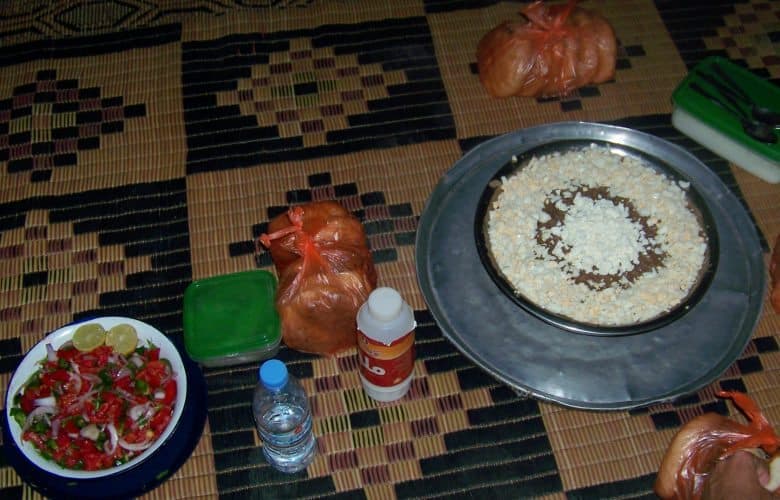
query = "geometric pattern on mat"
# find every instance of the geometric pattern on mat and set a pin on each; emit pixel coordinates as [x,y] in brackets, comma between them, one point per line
[46,122]
[261,98]
[456,407]
[386,225]
[453,405]
[638,487]
[104,249]
[39,19]
[432,6]
[746,33]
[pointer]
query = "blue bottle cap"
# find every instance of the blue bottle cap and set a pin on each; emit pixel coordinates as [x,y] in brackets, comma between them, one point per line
[273,374]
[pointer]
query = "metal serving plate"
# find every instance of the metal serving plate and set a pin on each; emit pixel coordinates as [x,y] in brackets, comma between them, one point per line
[536,357]
[695,201]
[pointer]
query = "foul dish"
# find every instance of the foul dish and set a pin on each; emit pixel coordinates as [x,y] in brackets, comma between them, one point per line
[596,238]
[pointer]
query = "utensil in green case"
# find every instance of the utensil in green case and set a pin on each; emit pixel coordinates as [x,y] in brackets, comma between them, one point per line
[720,130]
[231,319]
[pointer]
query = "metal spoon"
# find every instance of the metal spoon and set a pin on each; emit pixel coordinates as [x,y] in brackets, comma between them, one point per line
[760,113]
[757,130]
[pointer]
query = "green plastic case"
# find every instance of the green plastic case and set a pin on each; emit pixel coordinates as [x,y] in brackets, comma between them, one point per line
[722,121]
[231,319]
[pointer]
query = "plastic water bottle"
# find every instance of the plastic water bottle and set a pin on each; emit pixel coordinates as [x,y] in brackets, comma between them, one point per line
[283,418]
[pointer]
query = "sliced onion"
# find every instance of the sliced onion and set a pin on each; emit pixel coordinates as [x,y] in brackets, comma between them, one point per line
[79,402]
[55,427]
[110,445]
[126,395]
[51,354]
[44,411]
[47,401]
[169,374]
[134,446]
[159,394]
[138,411]
[90,431]
[136,360]
[91,378]
[75,382]
[124,372]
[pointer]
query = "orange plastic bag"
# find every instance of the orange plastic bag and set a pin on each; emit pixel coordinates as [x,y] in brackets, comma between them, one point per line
[554,51]
[325,274]
[708,438]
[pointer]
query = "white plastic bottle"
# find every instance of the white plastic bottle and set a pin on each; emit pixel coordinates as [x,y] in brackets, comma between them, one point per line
[283,418]
[386,345]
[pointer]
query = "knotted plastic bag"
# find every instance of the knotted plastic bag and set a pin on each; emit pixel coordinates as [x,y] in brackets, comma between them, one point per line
[553,51]
[325,274]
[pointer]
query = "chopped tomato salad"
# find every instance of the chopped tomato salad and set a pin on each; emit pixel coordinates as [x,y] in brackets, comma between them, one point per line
[97,409]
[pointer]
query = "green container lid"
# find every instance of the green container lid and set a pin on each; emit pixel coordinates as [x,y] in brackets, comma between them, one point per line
[722,121]
[231,319]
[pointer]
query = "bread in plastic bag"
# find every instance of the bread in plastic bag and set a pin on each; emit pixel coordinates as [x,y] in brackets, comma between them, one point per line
[325,274]
[553,51]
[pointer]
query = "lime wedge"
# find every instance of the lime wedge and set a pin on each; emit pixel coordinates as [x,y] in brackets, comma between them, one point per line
[122,337]
[89,336]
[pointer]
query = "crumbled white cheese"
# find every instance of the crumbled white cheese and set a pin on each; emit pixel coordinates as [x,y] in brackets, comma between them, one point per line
[600,236]
[597,235]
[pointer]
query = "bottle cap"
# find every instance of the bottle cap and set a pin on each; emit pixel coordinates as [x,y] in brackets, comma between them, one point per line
[385,317]
[384,304]
[273,374]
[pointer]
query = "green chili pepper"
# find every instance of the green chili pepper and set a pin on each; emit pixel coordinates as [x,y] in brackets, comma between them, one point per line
[79,421]
[18,415]
[107,380]
[34,380]
[141,387]
[39,426]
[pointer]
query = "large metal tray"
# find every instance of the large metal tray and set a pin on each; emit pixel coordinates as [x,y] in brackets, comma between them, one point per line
[555,364]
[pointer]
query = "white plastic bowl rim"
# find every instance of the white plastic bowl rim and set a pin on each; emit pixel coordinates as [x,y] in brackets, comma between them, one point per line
[30,364]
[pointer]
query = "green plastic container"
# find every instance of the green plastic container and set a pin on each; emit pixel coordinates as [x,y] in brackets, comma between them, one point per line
[231,319]
[719,129]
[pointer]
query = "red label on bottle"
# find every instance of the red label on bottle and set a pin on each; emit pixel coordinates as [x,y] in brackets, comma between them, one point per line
[386,365]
